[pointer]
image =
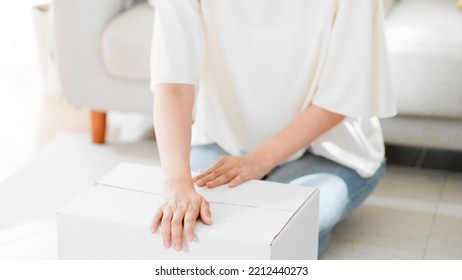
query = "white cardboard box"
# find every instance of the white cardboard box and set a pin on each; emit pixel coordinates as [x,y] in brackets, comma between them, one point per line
[257,220]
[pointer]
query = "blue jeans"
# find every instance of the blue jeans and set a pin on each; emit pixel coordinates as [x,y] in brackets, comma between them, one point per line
[342,190]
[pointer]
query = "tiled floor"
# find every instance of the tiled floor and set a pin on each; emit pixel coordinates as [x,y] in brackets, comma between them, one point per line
[446,236]
[413,214]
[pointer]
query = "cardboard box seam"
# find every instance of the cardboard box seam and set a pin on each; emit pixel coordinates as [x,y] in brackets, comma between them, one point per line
[294,213]
[215,202]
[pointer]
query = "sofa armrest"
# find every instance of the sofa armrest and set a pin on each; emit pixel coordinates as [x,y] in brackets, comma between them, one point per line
[78,28]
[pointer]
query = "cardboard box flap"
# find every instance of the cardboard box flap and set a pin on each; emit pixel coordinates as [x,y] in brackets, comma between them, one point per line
[255,193]
[230,222]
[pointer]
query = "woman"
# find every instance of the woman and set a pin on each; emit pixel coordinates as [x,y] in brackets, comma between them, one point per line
[288,91]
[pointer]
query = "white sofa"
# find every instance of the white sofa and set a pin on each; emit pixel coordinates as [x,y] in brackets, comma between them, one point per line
[103,53]
[93,39]
[425,42]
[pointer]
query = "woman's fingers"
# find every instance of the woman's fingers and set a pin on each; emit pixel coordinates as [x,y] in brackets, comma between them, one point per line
[233,170]
[177,217]
[189,224]
[177,229]
[213,174]
[166,228]
[222,165]
[207,172]
[210,175]
[224,171]
[241,178]
[221,180]
[205,213]
[156,221]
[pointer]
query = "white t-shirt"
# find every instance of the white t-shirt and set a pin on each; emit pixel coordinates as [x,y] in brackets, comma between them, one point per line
[257,64]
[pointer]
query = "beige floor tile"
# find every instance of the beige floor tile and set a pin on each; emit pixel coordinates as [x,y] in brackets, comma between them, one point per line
[452,194]
[415,186]
[395,222]
[346,250]
[377,232]
[445,241]
[451,200]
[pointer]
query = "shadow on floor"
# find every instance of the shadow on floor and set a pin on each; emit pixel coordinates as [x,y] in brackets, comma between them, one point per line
[424,158]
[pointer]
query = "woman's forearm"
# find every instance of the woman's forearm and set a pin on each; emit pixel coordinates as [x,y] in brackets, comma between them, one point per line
[182,205]
[309,125]
[173,107]
[234,170]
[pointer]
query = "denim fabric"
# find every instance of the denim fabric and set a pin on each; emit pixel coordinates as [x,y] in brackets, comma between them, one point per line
[342,190]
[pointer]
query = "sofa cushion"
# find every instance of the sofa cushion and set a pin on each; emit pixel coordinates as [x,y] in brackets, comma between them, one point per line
[425,43]
[126,43]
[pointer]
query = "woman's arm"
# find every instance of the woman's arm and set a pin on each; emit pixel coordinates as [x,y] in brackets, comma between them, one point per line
[309,125]
[172,122]
[305,128]
[182,204]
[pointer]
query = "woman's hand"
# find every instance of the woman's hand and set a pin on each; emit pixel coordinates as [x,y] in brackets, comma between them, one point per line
[313,122]
[178,214]
[234,170]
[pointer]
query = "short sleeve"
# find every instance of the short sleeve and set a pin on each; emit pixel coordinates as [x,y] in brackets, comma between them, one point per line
[355,80]
[177,50]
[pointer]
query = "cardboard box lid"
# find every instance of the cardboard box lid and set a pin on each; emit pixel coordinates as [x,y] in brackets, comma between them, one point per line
[255,193]
[115,206]
[259,209]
